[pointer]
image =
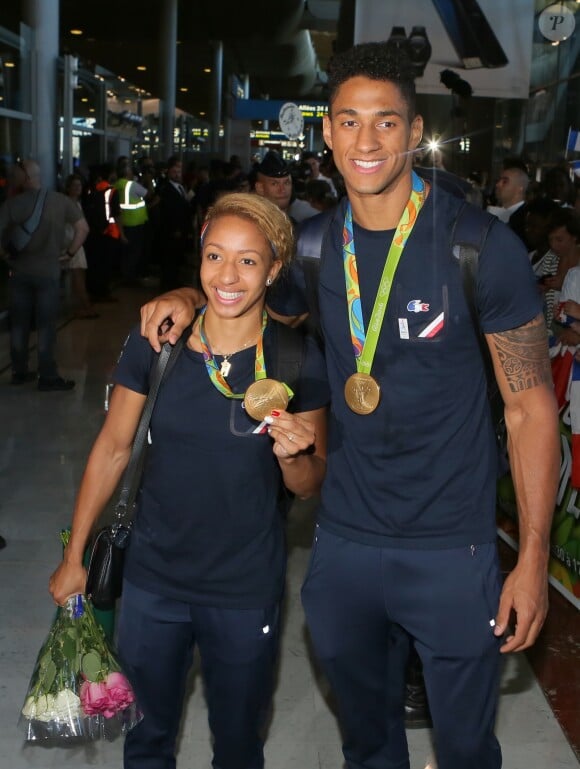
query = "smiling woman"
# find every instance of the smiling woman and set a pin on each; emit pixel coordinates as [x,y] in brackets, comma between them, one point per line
[206,562]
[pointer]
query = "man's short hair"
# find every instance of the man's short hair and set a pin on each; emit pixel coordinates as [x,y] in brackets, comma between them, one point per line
[514,162]
[377,62]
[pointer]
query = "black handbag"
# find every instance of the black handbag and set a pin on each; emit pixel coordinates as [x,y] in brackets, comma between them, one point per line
[105,569]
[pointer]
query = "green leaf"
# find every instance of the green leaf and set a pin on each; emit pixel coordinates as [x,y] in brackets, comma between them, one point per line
[47,676]
[45,660]
[91,665]
[69,649]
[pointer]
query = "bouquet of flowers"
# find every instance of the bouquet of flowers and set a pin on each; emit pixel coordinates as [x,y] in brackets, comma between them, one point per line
[77,688]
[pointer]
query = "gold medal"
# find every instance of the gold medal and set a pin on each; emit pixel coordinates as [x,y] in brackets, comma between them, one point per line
[362,393]
[263,396]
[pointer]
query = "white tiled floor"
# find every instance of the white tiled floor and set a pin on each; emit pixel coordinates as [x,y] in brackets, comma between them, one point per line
[44,441]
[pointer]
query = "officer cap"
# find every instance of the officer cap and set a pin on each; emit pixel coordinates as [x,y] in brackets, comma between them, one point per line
[273,165]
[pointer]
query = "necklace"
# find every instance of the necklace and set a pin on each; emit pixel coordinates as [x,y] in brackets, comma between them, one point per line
[225,365]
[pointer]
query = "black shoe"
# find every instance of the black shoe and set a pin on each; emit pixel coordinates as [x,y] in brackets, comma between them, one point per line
[19,379]
[58,383]
[417,715]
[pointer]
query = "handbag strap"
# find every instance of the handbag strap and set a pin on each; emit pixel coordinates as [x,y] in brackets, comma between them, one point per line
[132,475]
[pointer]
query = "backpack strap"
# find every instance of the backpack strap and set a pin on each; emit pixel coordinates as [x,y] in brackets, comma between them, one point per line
[470,231]
[311,235]
[289,354]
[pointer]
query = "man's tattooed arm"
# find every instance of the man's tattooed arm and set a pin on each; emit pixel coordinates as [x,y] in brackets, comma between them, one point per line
[523,355]
[522,368]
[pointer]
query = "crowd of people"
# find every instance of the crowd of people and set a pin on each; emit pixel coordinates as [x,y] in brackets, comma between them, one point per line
[405,556]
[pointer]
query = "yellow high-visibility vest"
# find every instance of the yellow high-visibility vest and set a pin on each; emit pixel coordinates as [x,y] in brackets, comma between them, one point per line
[133,208]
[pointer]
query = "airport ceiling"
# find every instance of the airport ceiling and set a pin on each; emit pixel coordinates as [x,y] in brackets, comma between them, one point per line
[283,45]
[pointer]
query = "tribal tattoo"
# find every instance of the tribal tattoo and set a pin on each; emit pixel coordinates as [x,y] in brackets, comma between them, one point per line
[523,354]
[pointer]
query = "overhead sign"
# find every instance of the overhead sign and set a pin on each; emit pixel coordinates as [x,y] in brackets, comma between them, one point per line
[488,42]
[269,109]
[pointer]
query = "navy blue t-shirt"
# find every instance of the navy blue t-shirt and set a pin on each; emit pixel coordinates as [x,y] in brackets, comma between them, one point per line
[420,471]
[209,528]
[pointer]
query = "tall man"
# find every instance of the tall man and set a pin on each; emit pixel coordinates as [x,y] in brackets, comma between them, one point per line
[34,283]
[406,527]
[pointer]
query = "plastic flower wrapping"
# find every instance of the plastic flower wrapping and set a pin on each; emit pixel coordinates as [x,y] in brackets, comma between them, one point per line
[78,689]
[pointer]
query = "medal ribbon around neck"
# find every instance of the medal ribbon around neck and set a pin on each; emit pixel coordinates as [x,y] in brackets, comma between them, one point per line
[213,370]
[365,344]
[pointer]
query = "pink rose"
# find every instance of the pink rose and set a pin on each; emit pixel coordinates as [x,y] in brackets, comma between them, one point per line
[119,690]
[95,699]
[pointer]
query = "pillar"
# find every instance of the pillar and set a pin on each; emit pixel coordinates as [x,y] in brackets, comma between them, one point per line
[168,70]
[43,17]
[216,111]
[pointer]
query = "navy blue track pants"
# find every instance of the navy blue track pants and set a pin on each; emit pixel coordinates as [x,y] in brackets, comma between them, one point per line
[356,595]
[238,650]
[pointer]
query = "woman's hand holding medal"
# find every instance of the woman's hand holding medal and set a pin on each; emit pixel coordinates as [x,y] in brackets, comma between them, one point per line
[291,434]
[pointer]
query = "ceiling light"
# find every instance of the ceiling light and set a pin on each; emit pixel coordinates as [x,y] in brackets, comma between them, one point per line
[91,109]
[9,64]
[183,90]
[207,69]
[127,101]
[85,98]
[76,31]
[142,68]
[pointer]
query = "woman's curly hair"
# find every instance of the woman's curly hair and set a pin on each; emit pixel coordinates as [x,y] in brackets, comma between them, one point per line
[274,225]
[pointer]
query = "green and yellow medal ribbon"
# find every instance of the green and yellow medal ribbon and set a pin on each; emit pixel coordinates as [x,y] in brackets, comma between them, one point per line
[213,370]
[365,342]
